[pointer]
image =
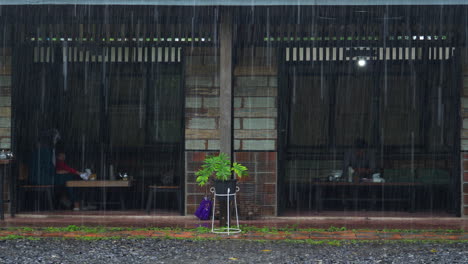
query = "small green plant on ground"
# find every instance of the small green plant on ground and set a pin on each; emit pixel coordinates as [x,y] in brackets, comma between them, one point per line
[27,229]
[9,237]
[117,229]
[202,229]
[336,229]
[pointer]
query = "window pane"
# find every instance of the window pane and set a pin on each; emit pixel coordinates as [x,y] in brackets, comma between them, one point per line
[309,111]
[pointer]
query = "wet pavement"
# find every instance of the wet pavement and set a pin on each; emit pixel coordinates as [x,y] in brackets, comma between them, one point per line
[138,238]
[159,250]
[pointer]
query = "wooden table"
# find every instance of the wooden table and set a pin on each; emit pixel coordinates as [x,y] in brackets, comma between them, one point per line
[407,192]
[102,185]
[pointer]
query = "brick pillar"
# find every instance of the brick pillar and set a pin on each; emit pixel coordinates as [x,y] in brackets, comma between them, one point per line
[5,111]
[464,134]
[255,125]
[464,202]
[257,195]
[464,139]
[201,117]
[255,129]
[193,192]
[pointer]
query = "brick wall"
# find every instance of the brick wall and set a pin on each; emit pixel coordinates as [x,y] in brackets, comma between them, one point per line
[193,192]
[5,107]
[255,100]
[464,140]
[255,129]
[255,125]
[5,98]
[257,195]
[201,117]
[201,99]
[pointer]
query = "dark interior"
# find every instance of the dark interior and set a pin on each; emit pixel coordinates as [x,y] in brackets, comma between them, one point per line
[406,113]
[114,117]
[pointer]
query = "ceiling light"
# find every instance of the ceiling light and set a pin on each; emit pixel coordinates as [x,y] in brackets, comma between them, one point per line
[362,62]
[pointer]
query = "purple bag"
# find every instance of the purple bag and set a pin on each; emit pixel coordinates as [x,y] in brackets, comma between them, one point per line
[204,209]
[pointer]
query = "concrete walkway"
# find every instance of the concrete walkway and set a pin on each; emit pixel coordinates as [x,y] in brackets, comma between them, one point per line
[274,228]
[140,219]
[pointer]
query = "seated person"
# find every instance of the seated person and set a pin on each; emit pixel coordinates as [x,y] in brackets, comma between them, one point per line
[361,159]
[64,173]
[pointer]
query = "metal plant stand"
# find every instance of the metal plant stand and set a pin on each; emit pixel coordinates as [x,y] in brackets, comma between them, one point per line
[225,230]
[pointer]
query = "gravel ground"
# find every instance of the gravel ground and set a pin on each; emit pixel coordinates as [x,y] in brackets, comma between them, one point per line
[50,250]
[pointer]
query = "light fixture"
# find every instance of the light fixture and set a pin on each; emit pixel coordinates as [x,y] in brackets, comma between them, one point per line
[361,62]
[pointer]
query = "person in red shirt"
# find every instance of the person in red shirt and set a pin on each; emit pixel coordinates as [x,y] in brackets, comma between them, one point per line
[62,168]
[64,173]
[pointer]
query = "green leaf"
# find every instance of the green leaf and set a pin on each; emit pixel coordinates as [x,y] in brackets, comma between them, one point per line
[239,169]
[219,167]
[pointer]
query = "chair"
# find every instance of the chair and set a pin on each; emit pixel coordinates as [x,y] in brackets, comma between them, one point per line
[37,185]
[154,189]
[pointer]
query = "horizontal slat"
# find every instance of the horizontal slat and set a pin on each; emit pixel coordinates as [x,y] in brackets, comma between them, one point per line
[234,2]
[298,54]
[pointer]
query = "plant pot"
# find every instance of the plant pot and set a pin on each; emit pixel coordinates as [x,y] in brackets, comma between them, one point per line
[221,187]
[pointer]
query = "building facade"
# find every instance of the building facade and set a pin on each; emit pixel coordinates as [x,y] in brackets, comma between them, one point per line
[153,89]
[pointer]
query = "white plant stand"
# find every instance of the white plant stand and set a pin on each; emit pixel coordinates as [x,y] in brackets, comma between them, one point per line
[228,229]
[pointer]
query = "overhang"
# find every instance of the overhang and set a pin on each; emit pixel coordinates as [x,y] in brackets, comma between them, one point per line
[236,2]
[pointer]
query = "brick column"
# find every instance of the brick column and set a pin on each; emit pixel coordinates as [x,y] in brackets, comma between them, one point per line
[464,138]
[5,110]
[225,77]
[257,196]
[255,125]
[201,117]
[255,129]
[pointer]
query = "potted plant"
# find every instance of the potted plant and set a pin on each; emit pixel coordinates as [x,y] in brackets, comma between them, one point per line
[219,167]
